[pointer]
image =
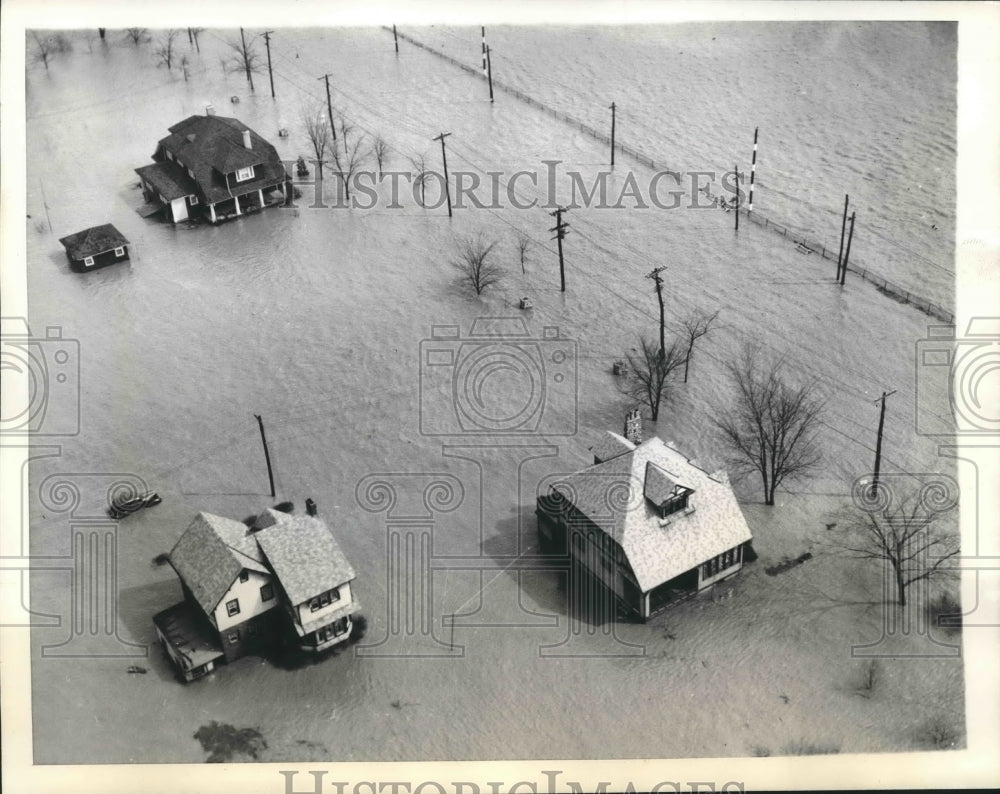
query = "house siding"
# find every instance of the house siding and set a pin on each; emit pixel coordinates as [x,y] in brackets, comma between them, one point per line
[251,604]
[303,614]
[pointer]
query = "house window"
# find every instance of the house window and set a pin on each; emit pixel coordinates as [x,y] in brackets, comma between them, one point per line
[170,155]
[266,592]
[244,575]
[88,261]
[234,636]
[193,199]
[233,607]
[324,599]
[119,252]
[243,174]
[191,173]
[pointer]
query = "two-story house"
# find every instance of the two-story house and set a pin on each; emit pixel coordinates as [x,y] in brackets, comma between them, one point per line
[213,166]
[646,522]
[314,576]
[251,588]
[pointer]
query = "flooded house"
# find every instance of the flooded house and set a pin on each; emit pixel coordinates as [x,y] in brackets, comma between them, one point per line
[95,247]
[213,167]
[646,522]
[249,589]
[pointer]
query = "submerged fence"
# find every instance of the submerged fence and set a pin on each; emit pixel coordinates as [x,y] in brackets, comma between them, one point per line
[805,245]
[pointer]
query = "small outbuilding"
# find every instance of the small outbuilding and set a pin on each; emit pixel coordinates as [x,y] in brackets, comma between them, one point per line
[95,247]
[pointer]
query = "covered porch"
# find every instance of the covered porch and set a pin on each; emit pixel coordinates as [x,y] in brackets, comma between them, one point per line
[247,203]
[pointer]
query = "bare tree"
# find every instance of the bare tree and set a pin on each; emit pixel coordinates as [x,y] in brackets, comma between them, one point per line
[474,263]
[905,531]
[317,127]
[193,33]
[523,244]
[346,128]
[695,327]
[421,175]
[350,160]
[48,46]
[649,373]
[184,66]
[380,151]
[772,425]
[243,58]
[137,35]
[165,49]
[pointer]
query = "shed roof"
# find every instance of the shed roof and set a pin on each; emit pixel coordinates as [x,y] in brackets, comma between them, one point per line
[186,631]
[169,180]
[304,555]
[612,495]
[93,241]
[211,554]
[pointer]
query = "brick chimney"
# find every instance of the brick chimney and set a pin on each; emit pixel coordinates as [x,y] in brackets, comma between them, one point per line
[633,427]
[246,139]
[209,110]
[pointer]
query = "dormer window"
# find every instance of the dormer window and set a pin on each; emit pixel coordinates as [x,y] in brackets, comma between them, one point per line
[666,495]
[243,174]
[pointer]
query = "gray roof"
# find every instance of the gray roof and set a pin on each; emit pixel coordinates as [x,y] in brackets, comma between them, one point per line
[188,633]
[212,146]
[611,445]
[613,496]
[169,180]
[211,554]
[304,555]
[93,241]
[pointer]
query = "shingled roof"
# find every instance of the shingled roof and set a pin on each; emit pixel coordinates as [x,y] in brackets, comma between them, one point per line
[613,496]
[212,146]
[211,554]
[304,555]
[93,241]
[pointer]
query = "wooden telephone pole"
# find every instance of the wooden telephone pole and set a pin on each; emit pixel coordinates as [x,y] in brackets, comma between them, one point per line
[658,280]
[267,44]
[395,39]
[612,134]
[843,231]
[736,199]
[489,71]
[847,253]
[444,160]
[329,108]
[267,455]
[560,230]
[246,60]
[878,443]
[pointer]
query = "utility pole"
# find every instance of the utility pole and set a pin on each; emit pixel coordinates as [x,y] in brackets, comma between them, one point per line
[843,229]
[878,443]
[736,198]
[395,39]
[483,29]
[329,108]
[658,279]
[246,61]
[267,455]
[753,169]
[560,230]
[267,44]
[612,134]
[847,253]
[489,72]
[444,159]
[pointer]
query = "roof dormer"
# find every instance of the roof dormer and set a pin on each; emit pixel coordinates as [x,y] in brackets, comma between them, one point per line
[666,495]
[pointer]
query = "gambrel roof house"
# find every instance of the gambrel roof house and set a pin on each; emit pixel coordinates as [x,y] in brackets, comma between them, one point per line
[663,527]
[215,165]
[248,588]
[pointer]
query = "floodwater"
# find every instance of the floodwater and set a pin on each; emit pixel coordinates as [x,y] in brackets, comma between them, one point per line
[313,318]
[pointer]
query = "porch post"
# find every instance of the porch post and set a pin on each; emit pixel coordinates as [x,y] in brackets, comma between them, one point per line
[211,211]
[261,194]
[236,201]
